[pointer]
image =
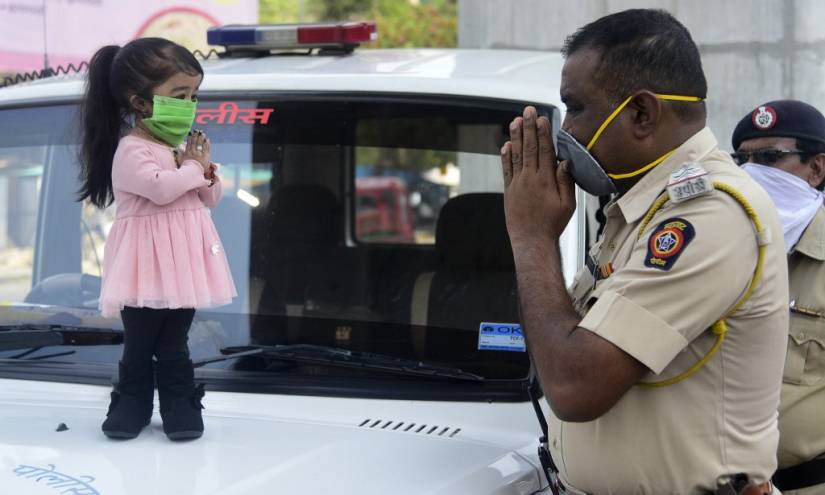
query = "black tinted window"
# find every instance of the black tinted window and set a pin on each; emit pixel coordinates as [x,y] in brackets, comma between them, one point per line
[368,223]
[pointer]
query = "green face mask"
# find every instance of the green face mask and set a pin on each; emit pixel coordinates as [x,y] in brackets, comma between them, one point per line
[171,119]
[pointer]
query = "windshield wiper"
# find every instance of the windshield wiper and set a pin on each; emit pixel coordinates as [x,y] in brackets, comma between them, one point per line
[37,335]
[334,356]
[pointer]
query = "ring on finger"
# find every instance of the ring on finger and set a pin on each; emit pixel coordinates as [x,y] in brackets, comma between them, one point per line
[199,147]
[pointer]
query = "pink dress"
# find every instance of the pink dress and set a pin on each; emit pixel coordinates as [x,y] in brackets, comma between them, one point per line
[163,250]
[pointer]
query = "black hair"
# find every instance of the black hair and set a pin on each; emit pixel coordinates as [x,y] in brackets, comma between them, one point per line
[115,75]
[644,49]
[810,149]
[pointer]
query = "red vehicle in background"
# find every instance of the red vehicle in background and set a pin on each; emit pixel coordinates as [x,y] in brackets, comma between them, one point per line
[383,212]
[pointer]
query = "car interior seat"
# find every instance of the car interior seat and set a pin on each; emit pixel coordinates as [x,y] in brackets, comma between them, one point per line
[473,283]
[304,227]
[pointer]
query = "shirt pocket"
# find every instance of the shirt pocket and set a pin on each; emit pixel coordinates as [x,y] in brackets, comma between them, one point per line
[805,361]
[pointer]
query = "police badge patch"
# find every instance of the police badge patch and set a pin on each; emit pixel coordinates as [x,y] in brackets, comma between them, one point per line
[667,242]
[764,118]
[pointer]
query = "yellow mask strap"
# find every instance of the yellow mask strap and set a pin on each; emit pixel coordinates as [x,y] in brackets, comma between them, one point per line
[604,125]
[643,169]
[613,115]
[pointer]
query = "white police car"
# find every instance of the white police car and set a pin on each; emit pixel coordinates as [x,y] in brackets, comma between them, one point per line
[374,347]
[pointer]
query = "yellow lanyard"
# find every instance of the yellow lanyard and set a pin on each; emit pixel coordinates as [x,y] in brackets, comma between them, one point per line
[720,328]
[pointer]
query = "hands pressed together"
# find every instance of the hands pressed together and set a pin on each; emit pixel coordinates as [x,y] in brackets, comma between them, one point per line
[198,148]
[539,193]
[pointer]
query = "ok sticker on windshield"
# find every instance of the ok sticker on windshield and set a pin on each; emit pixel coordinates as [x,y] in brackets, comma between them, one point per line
[501,337]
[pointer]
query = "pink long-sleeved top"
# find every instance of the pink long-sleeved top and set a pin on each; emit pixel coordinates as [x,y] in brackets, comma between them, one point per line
[163,250]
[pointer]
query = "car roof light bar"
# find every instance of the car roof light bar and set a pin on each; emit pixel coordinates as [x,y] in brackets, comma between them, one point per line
[343,35]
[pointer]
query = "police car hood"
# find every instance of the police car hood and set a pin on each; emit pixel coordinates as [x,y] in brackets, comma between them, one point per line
[51,443]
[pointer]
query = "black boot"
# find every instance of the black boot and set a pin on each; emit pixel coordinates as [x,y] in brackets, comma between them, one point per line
[180,400]
[130,409]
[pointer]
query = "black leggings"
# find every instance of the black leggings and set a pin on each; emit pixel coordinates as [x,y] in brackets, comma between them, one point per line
[162,333]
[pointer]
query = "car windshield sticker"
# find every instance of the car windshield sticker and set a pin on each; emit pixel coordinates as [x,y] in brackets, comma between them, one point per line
[501,337]
[228,112]
[62,483]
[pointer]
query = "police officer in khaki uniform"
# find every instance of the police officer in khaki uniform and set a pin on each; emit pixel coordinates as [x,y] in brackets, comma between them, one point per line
[663,371]
[781,144]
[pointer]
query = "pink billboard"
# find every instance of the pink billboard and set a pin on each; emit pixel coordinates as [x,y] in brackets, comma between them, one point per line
[58,32]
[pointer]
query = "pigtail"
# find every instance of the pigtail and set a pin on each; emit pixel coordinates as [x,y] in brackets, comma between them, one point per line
[102,121]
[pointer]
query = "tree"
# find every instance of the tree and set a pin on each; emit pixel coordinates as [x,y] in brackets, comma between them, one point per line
[407,24]
[341,9]
[401,23]
[279,11]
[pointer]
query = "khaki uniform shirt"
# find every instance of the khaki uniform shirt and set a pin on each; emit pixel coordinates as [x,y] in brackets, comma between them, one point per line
[722,420]
[802,407]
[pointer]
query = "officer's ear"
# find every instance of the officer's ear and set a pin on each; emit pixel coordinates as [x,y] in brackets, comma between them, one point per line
[816,174]
[645,112]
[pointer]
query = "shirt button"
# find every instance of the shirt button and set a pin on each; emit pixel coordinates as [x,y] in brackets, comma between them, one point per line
[801,335]
[611,246]
[555,443]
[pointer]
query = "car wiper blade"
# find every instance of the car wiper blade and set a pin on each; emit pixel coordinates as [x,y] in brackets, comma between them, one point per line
[197,363]
[36,335]
[334,356]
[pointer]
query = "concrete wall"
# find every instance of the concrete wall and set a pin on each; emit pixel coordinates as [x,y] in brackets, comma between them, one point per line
[752,50]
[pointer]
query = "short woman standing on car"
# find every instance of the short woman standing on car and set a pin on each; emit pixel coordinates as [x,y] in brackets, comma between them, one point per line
[163,256]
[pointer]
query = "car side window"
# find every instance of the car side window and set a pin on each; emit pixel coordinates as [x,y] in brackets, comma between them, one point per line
[95,225]
[21,170]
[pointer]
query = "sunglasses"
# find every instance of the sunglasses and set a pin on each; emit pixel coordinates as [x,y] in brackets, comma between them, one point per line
[765,157]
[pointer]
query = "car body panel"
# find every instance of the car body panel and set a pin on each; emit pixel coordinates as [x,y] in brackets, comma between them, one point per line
[529,76]
[268,443]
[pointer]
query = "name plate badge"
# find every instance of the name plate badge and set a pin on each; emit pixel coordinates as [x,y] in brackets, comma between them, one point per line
[501,337]
[689,181]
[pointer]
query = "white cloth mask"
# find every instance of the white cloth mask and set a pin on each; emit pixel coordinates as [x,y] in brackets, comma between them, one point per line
[796,201]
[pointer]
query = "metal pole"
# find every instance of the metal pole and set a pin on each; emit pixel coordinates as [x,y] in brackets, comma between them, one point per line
[45,41]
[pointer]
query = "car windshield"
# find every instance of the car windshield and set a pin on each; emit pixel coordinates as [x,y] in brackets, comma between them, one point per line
[371,223]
